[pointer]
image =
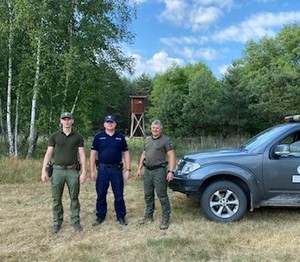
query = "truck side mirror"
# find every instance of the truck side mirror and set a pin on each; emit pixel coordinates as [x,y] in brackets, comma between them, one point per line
[282,150]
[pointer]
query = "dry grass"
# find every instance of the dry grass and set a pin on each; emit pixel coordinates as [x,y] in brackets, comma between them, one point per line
[25,218]
[268,234]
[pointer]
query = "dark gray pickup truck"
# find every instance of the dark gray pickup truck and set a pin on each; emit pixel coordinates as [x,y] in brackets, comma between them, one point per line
[264,171]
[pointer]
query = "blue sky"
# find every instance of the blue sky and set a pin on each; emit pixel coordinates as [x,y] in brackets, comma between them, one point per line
[215,32]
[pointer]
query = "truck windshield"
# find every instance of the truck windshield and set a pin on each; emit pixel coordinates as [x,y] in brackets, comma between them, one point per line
[263,138]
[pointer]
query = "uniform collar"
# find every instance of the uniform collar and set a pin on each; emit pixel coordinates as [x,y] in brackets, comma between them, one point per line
[156,137]
[62,131]
[109,134]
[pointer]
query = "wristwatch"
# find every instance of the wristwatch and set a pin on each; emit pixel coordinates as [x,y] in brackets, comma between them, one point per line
[169,171]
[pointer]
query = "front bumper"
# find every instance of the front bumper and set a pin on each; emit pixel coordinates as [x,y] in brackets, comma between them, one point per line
[186,186]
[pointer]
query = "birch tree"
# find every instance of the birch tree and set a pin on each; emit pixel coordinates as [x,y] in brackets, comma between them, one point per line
[32,132]
[9,81]
[64,62]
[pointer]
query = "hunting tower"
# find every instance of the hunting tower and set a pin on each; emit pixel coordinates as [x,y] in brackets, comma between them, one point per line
[137,108]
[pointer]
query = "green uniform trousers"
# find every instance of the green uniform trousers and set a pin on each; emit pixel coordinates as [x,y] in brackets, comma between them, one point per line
[155,180]
[58,180]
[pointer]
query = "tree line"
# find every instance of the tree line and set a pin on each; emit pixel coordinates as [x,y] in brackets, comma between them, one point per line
[67,56]
[60,56]
[258,90]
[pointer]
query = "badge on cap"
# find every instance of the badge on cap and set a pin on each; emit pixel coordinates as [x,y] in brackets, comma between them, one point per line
[110,118]
[66,115]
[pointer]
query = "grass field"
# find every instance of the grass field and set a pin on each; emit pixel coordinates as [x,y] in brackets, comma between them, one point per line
[267,234]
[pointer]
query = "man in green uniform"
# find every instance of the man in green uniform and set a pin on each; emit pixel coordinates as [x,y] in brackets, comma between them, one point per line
[65,145]
[156,175]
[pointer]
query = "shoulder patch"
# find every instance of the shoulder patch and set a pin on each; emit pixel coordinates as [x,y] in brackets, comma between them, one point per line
[171,144]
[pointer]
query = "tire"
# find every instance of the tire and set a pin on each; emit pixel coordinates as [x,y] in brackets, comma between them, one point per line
[223,201]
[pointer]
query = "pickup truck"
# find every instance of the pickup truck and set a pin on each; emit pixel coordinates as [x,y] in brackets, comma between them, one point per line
[264,171]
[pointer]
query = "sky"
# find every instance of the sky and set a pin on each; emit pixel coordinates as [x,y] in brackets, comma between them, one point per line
[214,32]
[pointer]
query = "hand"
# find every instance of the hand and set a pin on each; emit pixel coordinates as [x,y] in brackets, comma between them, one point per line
[44,176]
[126,174]
[92,175]
[170,176]
[139,174]
[82,177]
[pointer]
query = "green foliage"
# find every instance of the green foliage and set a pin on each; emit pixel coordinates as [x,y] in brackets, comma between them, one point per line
[80,59]
[231,108]
[271,76]
[185,145]
[258,90]
[182,98]
[198,108]
[142,85]
[168,111]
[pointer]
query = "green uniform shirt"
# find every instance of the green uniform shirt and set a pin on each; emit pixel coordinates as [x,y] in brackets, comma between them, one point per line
[156,150]
[65,147]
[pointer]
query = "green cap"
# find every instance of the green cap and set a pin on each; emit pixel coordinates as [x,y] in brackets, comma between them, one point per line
[66,115]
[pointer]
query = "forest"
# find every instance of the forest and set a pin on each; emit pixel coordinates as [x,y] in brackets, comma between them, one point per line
[67,56]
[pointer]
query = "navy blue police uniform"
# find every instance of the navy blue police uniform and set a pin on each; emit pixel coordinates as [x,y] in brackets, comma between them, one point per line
[109,168]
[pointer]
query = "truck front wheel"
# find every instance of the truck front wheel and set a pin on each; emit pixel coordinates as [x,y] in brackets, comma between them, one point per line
[223,201]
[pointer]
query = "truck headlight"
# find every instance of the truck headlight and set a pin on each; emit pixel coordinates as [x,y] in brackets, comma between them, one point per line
[189,167]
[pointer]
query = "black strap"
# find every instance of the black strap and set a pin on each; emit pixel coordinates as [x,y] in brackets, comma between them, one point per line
[162,165]
[64,167]
[117,165]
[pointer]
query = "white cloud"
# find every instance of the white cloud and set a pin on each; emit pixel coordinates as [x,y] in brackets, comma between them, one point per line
[257,26]
[194,14]
[175,11]
[140,66]
[185,40]
[193,54]
[161,61]
[203,17]
[207,53]
[158,63]
[220,3]
[223,69]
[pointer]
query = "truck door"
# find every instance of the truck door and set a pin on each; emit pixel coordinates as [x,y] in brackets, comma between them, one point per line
[282,174]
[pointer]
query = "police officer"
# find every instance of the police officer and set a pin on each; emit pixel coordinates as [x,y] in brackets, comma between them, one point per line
[108,147]
[65,145]
[156,175]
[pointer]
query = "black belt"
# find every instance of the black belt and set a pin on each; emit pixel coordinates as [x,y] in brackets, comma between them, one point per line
[162,165]
[117,165]
[64,167]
